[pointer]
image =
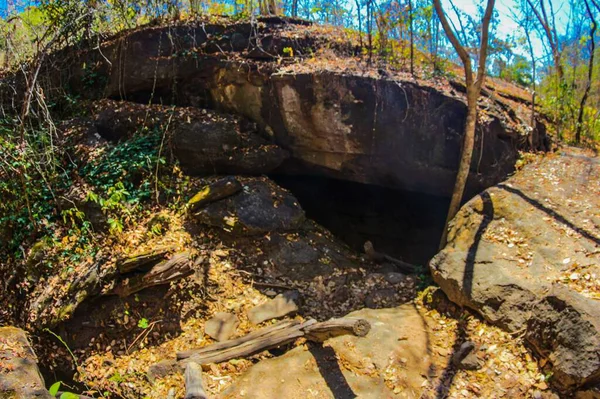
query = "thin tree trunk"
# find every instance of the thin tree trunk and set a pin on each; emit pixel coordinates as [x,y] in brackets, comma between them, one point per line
[473,90]
[590,72]
[533,85]
[465,162]
[412,43]
[360,39]
[370,30]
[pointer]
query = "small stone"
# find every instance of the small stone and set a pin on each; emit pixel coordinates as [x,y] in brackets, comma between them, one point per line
[470,362]
[461,354]
[222,326]
[281,305]
[394,277]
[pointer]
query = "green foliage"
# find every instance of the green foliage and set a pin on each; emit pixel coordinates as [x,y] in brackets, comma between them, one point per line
[143,323]
[54,388]
[126,169]
[519,72]
[29,177]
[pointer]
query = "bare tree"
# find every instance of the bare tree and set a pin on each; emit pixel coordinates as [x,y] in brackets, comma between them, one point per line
[549,28]
[473,89]
[268,7]
[411,16]
[586,92]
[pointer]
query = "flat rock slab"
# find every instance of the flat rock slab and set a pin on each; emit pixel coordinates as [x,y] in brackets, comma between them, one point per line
[282,305]
[526,256]
[19,373]
[222,326]
[348,366]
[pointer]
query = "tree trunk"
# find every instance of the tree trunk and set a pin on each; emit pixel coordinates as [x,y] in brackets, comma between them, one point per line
[473,90]
[465,161]
[193,382]
[412,42]
[533,86]
[590,72]
[360,38]
[370,30]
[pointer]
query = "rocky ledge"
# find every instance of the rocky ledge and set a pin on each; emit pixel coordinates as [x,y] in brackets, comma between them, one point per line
[525,255]
[336,116]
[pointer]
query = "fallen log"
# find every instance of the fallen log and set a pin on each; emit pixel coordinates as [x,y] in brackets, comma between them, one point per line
[193,382]
[261,340]
[245,347]
[179,266]
[146,259]
[238,341]
[320,332]
[277,335]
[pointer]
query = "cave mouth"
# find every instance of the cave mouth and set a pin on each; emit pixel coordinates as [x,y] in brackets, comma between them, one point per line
[404,224]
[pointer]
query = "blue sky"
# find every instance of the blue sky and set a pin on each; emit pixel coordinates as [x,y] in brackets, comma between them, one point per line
[506,26]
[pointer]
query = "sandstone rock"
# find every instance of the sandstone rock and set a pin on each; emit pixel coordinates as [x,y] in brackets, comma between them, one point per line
[325,119]
[221,326]
[207,148]
[397,336]
[204,142]
[260,208]
[566,327]
[215,191]
[282,305]
[19,373]
[517,255]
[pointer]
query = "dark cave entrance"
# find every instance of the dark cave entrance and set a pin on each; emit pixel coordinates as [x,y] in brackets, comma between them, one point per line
[403,224]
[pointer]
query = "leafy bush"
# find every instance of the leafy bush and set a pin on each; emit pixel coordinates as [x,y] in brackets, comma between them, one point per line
[127,168]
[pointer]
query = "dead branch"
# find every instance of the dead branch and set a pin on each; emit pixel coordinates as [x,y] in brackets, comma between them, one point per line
[178,267]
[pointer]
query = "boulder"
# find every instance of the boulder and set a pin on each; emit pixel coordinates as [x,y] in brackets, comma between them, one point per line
[213,148]
[19,373]
[348,123]
[392,361]
[261,207]
[525,255]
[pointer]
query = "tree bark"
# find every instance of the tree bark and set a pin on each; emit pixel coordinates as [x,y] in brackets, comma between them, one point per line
[590,73]
[412,41]
[266,338]
[193,382]
[178,267]
[473,90]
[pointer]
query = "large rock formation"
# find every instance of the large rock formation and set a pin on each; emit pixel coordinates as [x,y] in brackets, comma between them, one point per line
[19,373]
[526,255]
[204,142]
[342,121]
